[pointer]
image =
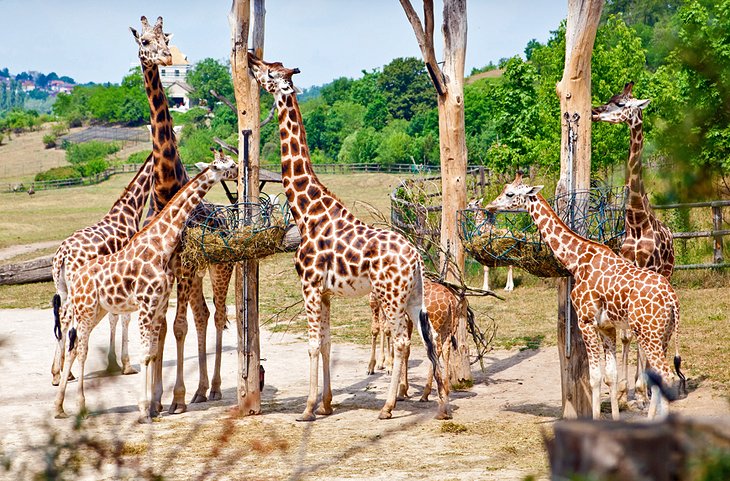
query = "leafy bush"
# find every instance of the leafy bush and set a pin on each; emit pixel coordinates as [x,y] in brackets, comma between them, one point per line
[77,154]
[58,173]
[138,157]
[49,140]
[59,129]
[195,145]
[93,167]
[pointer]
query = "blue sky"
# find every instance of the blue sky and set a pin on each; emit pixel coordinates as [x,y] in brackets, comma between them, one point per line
[89,40]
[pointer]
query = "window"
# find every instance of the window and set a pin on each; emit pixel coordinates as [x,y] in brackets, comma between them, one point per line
[177,73]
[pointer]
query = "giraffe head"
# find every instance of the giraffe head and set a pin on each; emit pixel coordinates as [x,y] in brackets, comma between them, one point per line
[153,43]
[223,167]
[620,108]
[273,77]
[514,196]
[475,203]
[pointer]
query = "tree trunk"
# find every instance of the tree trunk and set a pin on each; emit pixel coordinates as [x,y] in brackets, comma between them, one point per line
[247,273]
[36,270]
[574,91]
[449,84]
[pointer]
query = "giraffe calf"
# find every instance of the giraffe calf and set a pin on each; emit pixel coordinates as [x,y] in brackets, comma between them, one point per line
[137,277]
[443,308]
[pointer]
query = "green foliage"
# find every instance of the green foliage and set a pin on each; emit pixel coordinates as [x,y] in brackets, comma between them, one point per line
[195,145]
[406,87]
[49,140]
[210,74]
[17,120]
[93,167]
[138,157]
[78,154]
[58,173]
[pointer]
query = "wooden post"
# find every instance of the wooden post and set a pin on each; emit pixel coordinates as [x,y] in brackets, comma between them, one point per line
[448,81]
[247,272]
[716,226]
[574,92]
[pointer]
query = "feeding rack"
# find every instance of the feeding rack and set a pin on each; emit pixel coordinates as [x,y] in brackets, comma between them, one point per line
[511,238]
[232,233]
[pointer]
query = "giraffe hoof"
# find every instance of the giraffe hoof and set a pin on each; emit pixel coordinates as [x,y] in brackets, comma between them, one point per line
[71,376]
[385,415]
[423,399]
[60,414]
[443,415]
[177,408]
[128,369]
[324,411]
[113,367]
[144,420]
[199,398]
[370,373]
[215,396]
[56,380]
[307,417]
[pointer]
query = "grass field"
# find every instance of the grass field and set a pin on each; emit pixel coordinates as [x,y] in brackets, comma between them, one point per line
[525,319]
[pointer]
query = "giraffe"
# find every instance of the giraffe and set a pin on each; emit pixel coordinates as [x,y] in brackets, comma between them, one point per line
[648,242]
[443,307]
[169,177]
[341,255]
[106,236]
[485,226]
[609,292]
[136,277]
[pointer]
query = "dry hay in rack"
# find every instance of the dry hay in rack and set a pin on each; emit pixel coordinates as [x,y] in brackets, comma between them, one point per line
[232,233]
[511,238]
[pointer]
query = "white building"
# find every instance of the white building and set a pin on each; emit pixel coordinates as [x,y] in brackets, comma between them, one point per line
[173,80]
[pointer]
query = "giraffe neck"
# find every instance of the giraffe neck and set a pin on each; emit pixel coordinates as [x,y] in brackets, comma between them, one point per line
[633,167]
[564,243]
[170,174]
[168,224]
[129,205]
[301,185]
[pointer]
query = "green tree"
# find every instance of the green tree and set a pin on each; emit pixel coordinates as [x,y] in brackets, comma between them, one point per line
[210,74]
[406,87]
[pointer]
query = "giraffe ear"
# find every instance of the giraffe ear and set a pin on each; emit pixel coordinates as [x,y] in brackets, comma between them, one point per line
[201,166]
[535,189]
[168,37]
[135,34]
[638,103]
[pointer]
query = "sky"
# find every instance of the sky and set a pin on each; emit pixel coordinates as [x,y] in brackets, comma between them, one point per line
[89,40]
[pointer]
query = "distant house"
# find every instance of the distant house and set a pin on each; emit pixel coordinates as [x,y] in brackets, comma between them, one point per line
[27,85]
[173,79]
[59,86]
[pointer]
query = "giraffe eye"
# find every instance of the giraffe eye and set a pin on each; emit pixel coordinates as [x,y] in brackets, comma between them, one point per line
[510,195]
[145,42]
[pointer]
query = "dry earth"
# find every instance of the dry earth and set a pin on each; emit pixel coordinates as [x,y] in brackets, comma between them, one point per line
[496,431]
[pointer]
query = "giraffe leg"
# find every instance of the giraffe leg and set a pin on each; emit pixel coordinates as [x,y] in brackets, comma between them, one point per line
[60,414]
[510,285]
[326,407]
[313,306]
[113,366]
[658,405]
[593,349]
[485,284]
[156,367]
[60,354]
[427,386]
[83,349]
[127,367]
[403,385]
[400,341]
[388,344]
[374,331]
[180,330]
[608,335]
[626,337]
[220,276]
[640,393]
[201,313]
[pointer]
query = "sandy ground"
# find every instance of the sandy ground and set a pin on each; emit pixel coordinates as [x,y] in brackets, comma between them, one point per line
[517,387]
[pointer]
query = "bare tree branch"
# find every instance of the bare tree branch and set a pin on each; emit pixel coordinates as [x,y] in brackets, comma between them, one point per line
[425,41]
[269,117]
[224,100]
[226,146]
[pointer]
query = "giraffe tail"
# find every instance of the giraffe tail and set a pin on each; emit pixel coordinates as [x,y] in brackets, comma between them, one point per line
[653,378]
[677,358]
[56,302]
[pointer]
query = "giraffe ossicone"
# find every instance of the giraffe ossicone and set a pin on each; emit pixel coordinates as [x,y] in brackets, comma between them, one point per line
[339,255]
[609,293]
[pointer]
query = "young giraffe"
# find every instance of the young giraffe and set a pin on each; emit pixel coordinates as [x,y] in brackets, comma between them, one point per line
[609,293]
[648,242]
[137,277]
[108,235]
[340,255]
[443,308]
[485,226]
[170,176]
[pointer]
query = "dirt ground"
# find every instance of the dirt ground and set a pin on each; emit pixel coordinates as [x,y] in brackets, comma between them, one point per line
[496,432]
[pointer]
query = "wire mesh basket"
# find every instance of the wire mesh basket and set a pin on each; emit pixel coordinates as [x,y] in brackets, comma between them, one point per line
[233,233]
[511,238]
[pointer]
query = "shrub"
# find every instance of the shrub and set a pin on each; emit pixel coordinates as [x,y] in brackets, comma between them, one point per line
[138,157]
[80,153]
[49,140]
[59,129]
[58,173]
[93,167]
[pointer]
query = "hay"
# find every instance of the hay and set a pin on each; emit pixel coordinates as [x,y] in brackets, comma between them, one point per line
[202,246]
[532,256]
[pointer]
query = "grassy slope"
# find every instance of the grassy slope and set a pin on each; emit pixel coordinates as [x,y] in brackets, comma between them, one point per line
[525,318]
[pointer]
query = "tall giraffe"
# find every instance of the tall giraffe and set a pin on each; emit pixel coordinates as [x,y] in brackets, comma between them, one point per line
[341,255]
[138,277]
[485,226]
[609,293]
[108,235]
[170,176]
[648,242]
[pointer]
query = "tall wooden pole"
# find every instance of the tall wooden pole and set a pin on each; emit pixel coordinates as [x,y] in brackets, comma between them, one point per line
[247,273]
[574,91]
[448,81]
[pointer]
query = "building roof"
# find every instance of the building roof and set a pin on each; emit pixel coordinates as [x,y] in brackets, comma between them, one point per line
[183,85]
[178,58]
